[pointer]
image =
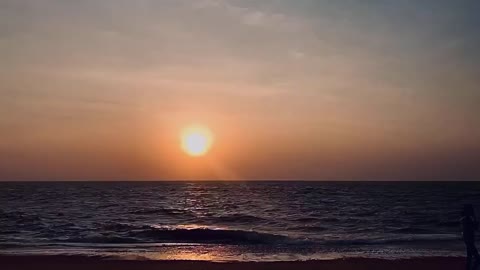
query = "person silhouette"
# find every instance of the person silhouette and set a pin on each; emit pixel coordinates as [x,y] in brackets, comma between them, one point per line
[469,226]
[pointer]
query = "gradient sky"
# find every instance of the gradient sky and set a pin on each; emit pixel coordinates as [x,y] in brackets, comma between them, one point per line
[304,89]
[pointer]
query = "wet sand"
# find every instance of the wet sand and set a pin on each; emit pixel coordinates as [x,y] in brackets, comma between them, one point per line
[94,263]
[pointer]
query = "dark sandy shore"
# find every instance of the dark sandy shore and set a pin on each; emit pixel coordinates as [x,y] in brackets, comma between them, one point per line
[89,263]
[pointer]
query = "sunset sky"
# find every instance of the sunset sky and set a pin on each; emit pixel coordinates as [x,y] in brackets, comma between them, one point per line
[304,89]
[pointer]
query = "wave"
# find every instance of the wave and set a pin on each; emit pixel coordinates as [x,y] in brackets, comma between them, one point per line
[306,220]
[19,216]
[125,233]
[237,218]
[411,239]
[160,211]
[307,228]
[232,237]
[225,218]
[119,233]
[207,235]
[103,240]
[411,230]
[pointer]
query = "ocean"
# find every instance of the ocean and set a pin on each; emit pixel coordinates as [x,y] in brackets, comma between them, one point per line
[234,221]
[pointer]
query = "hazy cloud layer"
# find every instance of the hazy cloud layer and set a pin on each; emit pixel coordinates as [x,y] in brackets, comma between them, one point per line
[295,89]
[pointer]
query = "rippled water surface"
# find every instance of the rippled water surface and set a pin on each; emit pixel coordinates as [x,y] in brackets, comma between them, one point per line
[234,221]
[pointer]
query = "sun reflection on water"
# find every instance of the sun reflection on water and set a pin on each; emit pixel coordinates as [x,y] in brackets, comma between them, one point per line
[194,253]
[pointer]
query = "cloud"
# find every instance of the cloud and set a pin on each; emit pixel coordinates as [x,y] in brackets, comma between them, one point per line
[250,16]
[254,18]
[296,54]
[206,3]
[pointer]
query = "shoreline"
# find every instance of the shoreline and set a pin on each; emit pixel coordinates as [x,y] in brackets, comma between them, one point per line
[54,262]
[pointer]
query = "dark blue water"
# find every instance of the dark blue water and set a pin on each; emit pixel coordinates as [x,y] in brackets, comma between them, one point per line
[235,221]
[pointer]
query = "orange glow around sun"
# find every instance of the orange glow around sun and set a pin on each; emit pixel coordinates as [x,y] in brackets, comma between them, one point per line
[196,140]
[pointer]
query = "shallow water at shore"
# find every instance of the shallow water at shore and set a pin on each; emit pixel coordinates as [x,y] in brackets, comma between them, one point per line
[92,263]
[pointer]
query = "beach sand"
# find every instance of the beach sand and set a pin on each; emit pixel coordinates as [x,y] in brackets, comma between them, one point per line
[93,263]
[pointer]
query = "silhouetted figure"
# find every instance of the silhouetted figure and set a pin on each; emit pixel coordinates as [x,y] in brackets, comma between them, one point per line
[469,226]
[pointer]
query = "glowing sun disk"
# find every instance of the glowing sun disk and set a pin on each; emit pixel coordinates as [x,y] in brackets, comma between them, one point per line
[196,140]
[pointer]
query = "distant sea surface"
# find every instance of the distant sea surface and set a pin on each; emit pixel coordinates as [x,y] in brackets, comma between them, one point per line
[234,221]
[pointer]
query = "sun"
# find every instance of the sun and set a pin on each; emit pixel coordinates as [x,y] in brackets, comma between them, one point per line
[196,140]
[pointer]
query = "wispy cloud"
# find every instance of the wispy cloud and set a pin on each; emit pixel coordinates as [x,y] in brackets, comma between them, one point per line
[251,16]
